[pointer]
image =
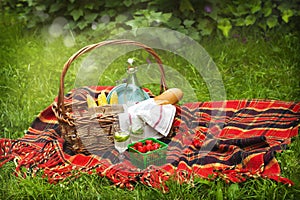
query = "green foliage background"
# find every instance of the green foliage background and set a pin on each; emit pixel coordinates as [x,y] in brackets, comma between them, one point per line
[197,18]
[258,59]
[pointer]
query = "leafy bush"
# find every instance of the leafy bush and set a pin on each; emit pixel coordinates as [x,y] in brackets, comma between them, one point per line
[193,17]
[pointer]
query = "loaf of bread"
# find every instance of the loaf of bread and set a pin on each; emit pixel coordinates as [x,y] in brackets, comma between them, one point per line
[170,96]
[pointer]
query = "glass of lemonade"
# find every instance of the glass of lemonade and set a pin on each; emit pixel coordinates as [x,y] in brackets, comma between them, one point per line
[137,135]
[121,139]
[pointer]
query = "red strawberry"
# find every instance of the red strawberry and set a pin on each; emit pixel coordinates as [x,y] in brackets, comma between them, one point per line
[155,146]
[140,149]
[145,150]
[148,147]
[138,144]
[134,147]
[149,142]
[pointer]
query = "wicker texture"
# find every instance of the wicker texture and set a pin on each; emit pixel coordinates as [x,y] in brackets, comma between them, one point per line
[90,131]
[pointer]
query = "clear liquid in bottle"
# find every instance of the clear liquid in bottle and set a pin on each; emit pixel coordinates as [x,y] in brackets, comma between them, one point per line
[133,91]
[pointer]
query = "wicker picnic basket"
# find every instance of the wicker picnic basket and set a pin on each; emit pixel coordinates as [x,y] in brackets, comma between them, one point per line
[89,131]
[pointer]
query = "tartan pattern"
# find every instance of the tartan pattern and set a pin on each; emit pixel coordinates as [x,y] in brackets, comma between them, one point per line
[238,140]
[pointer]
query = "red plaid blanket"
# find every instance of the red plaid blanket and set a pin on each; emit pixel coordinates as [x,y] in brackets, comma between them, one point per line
[234,140]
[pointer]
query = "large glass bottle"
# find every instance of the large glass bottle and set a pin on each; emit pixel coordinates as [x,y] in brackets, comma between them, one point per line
[133,91]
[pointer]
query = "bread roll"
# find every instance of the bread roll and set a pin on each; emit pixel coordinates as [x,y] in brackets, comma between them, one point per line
[170,96]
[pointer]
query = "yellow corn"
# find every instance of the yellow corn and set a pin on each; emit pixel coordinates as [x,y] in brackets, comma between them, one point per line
[90,101]
[114,98]
[102,99]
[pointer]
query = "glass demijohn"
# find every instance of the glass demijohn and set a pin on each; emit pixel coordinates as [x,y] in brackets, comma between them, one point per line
[133,91]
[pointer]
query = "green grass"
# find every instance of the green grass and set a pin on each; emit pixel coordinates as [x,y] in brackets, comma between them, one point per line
[30,66]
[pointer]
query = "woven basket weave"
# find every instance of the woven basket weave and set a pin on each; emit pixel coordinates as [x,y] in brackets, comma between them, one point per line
[90,130]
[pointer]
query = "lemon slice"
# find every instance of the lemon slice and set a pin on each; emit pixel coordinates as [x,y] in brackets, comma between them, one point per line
[90,101]
[121,136]
[114,98]
[138,132]
[102,99]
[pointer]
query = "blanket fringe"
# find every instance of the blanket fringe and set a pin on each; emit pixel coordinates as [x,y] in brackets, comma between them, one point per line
[56,167]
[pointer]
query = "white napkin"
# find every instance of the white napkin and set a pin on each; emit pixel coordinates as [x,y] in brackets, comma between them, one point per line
[159,118]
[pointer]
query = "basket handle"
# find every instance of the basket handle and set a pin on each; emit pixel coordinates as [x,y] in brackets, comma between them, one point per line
[60,100]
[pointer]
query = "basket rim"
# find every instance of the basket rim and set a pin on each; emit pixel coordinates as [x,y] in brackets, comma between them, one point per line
[88,48]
